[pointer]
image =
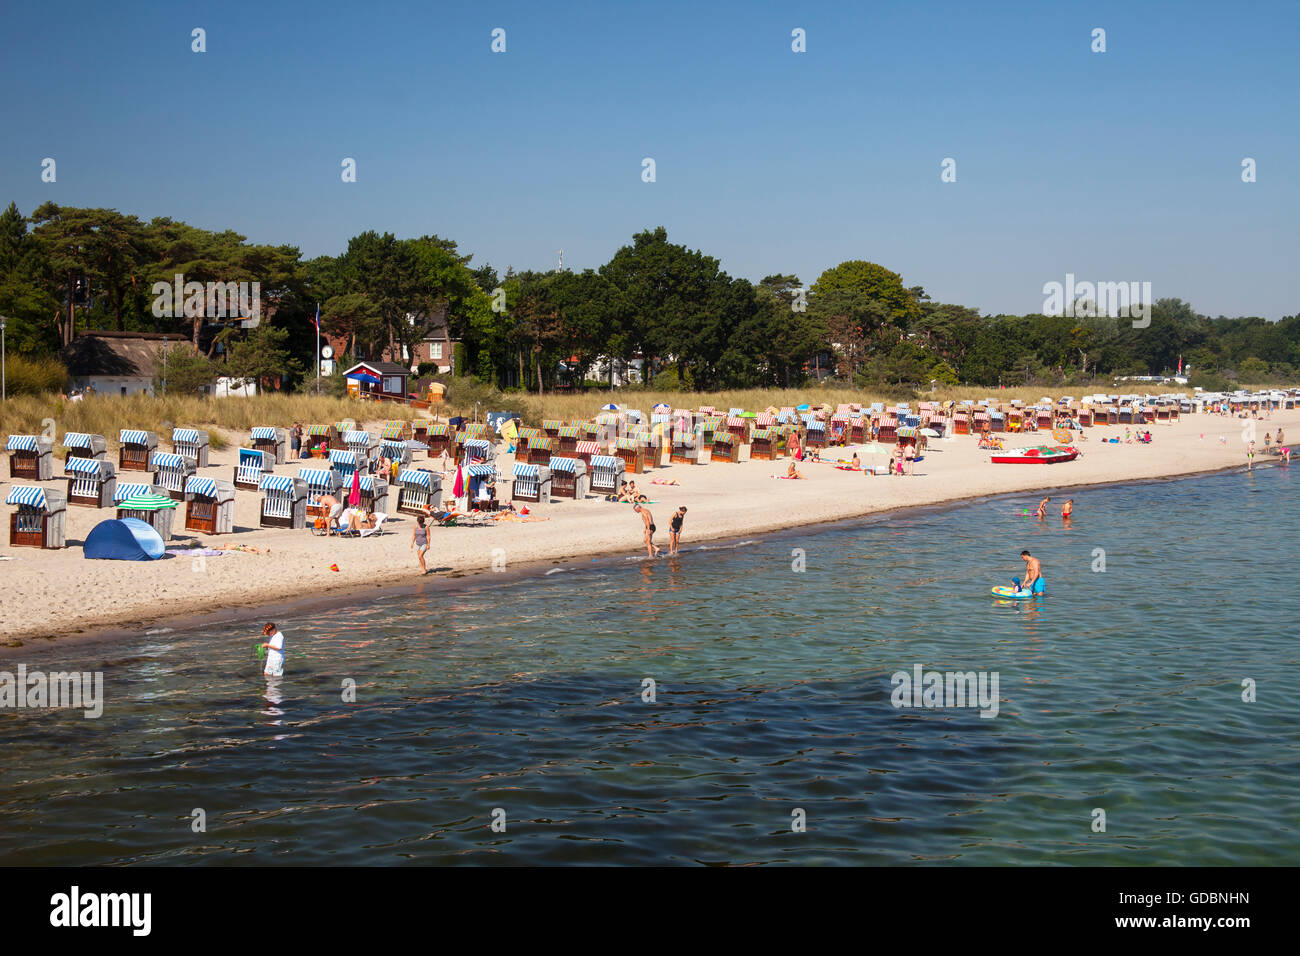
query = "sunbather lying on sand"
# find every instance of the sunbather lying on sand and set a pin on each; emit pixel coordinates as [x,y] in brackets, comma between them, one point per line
[239,547]
[664,481]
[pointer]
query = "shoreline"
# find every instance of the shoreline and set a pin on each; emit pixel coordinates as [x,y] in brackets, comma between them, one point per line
[395,584]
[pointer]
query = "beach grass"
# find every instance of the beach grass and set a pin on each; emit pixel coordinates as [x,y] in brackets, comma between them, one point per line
[52,415]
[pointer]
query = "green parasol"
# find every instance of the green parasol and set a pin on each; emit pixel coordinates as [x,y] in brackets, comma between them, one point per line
[149,501]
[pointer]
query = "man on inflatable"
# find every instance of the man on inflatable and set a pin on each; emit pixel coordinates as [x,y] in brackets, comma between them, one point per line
[1033,575]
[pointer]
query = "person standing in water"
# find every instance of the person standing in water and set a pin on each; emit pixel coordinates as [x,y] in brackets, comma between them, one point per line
[1042,508]
[274,647]
[1067,509]
[1033,575]
[675,530]
[647,519]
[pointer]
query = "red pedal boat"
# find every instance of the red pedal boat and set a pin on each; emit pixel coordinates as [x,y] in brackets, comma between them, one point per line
[1042,455]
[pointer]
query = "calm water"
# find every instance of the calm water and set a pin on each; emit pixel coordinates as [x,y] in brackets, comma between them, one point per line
[1121,690]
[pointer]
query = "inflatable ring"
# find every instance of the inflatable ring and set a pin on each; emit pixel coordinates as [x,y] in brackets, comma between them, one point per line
[1062,435]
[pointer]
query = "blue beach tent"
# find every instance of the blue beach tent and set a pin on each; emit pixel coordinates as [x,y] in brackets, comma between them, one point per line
[127,539]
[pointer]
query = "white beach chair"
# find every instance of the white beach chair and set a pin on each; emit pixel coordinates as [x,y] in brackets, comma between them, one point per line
[380,519]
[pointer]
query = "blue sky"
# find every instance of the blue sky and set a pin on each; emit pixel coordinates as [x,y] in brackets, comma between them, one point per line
[1115,166]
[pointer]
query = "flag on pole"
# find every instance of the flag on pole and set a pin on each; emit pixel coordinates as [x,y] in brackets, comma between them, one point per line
[1180,365]
[318,362]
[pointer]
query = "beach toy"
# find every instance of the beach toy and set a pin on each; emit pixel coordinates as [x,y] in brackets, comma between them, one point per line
[1005,592]
[260,651]
[334,567]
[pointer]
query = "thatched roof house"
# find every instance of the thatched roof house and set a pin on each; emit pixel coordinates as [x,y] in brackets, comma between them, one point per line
[117,363]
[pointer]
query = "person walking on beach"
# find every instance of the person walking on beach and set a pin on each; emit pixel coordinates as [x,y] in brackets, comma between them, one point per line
[675,530]
[1042,508]
[420,541]
[647,519]
[909,457]
[295,440]
[1033,575]
[274,647]
[1250,457]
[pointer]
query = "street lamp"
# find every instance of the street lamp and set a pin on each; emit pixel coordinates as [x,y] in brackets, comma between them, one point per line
[3,378]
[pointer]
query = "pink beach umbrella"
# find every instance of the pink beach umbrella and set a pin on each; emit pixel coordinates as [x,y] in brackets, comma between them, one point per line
[354,496]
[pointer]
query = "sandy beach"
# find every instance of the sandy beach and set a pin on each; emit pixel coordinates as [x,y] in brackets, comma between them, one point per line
[50,594]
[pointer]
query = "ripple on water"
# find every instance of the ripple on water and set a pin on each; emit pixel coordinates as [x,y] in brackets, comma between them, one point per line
[771,691]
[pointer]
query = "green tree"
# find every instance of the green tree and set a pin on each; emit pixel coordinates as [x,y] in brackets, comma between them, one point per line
[183,372]
[869,293]
[356,316]
[263,358]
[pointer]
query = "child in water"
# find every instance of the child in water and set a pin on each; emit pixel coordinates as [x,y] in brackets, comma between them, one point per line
[274,647]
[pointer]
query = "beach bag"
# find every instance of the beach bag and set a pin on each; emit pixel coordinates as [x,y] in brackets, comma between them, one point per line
[320,524]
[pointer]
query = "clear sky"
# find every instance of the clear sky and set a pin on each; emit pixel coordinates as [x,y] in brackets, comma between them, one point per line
[1115,166]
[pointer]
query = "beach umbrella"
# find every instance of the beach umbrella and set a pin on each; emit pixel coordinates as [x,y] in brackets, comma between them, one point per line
[363,377]
[609,408]
[354,496]
[147,502]
[661,408]
[929,433]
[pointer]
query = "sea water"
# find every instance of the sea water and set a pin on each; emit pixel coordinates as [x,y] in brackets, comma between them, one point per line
[735,705]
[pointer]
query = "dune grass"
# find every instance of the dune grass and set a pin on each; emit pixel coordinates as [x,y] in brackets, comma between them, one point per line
[52,416]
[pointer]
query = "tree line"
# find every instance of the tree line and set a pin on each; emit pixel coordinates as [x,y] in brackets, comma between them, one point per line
[693,326]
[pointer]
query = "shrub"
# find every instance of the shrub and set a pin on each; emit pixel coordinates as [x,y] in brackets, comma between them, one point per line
[667,381]
[25,376]
[1253,370]
[1210,381]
